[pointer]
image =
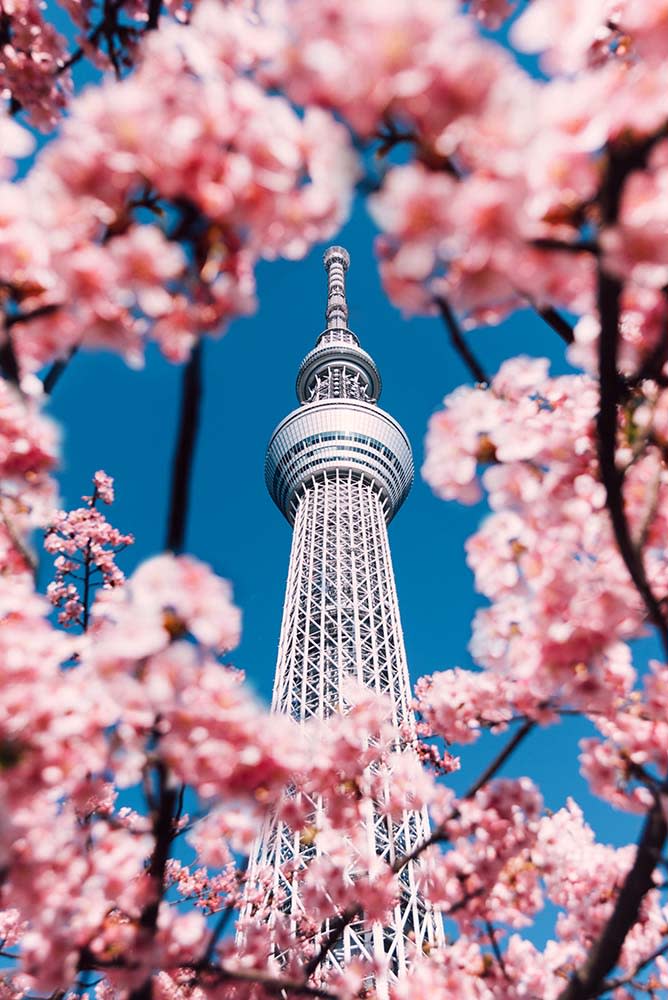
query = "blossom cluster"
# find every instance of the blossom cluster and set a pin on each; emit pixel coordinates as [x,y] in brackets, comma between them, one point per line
[85,546]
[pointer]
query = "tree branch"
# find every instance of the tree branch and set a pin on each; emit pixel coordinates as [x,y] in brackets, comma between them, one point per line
[56,370]
[491,934]
[609,291]
[163,830]
[501,758]
[154,8]
[589,980]
[458,342]
[557,322]
[8,360]
[184,451]
[269,982]
[336,929]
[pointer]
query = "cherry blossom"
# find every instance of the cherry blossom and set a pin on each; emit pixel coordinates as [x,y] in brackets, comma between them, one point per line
[84,543]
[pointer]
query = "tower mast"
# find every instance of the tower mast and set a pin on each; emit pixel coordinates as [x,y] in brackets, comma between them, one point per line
[339,468]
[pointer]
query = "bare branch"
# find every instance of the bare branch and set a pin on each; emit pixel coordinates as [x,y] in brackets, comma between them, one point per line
[458,342]
[581,246]
[154,8]
[501,758]
[182,462]
[56,370]
[491,934]
[557,322]
[8,360]
[269,982]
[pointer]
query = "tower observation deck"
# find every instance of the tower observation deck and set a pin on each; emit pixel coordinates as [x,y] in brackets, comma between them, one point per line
[339,468]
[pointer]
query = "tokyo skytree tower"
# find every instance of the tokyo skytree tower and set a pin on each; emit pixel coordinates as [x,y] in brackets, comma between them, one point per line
[339,468]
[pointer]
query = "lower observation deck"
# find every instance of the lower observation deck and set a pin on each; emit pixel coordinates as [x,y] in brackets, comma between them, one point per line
[338,434]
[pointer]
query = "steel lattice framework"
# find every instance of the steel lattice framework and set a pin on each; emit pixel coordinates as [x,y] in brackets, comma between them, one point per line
[339,468]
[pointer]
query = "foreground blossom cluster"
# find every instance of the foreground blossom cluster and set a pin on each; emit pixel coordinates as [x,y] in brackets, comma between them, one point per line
[136,767]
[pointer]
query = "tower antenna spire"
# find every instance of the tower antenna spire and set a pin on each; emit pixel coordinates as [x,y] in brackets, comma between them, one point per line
[337,262]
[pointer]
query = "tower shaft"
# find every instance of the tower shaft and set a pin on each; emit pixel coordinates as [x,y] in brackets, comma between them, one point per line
[341,618]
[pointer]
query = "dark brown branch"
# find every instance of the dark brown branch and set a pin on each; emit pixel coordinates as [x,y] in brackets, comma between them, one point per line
[589,980]
[154,8]
[37,313]
[221,924]
[582,246]
[182,462]
[501,758]
[491,934]
[107,27]
[163,833]
[458,342]
[8,361]
[56,370]
[557,322]
[86,588]
[270,983]
[337,927]
[611,392]
[614,984]
[163,830]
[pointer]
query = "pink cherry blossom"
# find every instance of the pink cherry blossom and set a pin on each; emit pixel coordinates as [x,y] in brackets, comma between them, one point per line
[84,543]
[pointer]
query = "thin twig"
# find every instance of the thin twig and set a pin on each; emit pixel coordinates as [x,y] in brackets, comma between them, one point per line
[56,370]
[614,984]
[221,924]
[501,758]
[491,934]
[458,342]
[86,587]
[182,462]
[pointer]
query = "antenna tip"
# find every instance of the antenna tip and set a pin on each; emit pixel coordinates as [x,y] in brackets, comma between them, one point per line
[336,254]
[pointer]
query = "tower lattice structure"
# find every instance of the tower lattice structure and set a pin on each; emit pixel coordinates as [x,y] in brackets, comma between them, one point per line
[339,468]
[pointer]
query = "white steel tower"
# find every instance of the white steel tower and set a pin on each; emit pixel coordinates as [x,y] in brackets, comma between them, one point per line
[339,468]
